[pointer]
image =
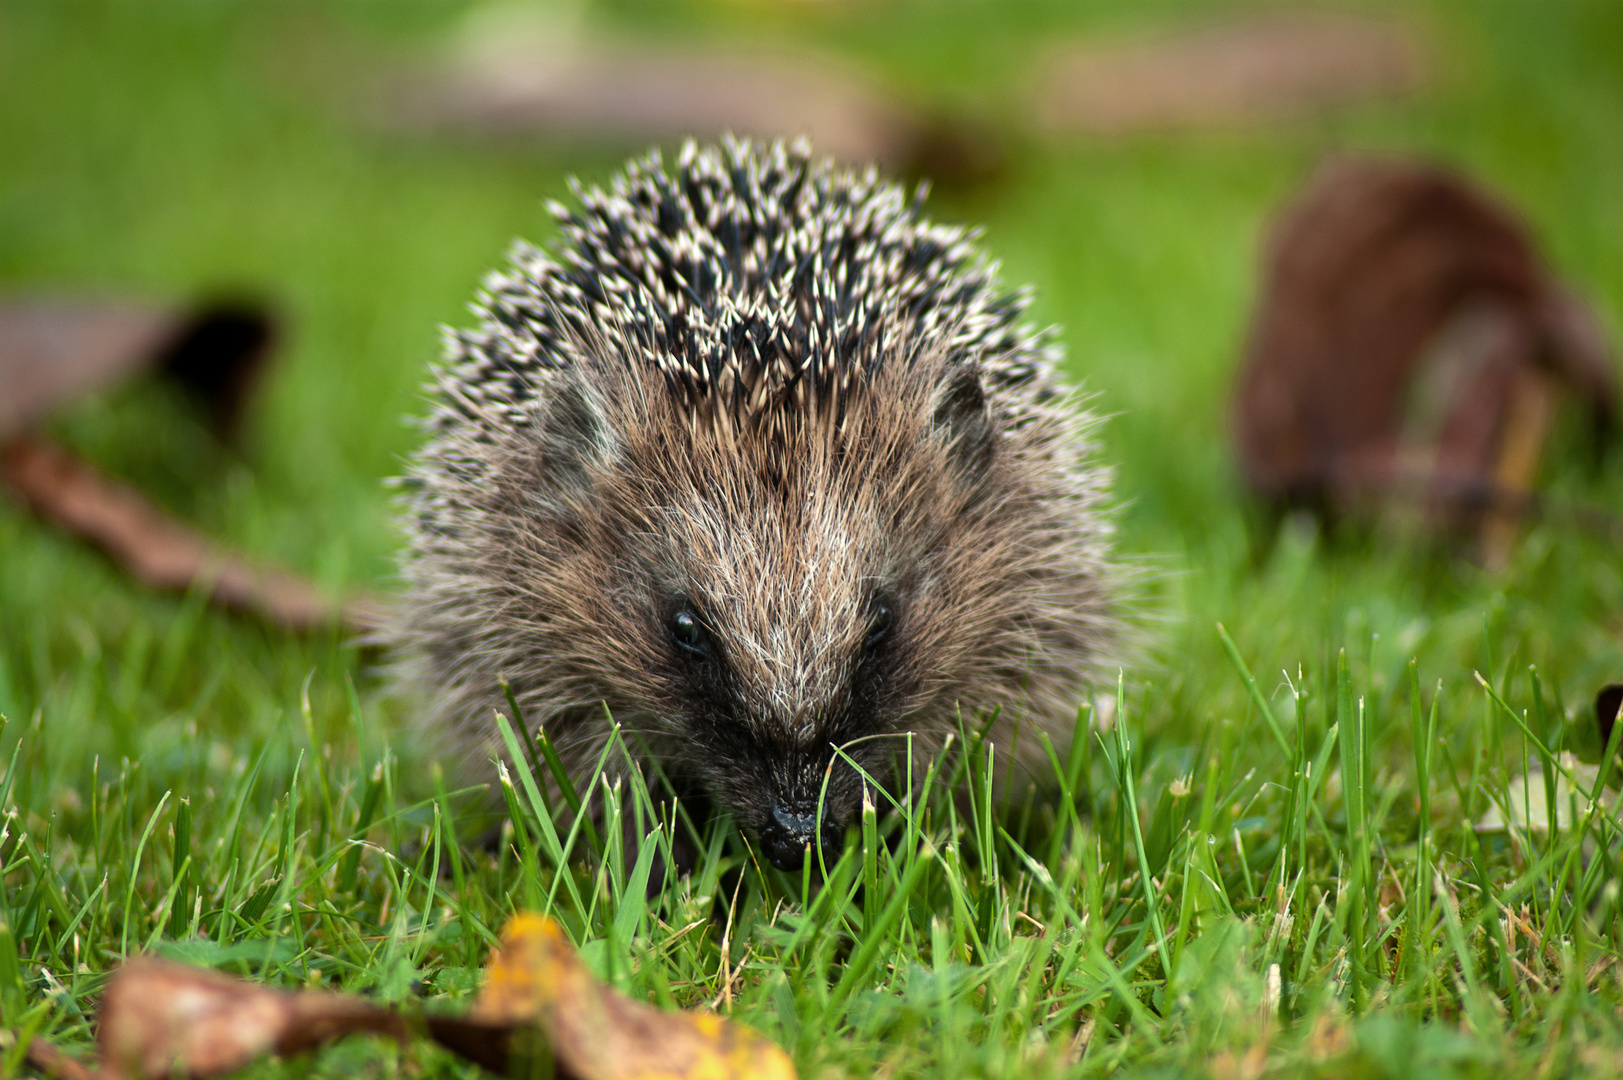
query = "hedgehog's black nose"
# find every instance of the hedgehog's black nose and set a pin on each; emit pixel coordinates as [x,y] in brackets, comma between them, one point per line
[786,837]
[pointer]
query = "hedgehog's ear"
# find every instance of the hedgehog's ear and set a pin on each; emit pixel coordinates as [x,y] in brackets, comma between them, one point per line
[959,417]
[576,436]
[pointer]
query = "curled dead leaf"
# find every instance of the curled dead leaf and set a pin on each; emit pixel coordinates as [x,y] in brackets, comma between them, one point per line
[596,1033]
[156,549]
[1409,340]
[529,71]
[1263,68]
[53,351]
[160,1020]
[48,1061]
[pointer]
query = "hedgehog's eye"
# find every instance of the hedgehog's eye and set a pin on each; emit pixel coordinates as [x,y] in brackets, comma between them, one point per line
[689,634]
[880,626]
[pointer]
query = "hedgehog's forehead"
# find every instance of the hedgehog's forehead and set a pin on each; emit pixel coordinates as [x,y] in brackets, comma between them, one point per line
[762,548]
[777,524]
[787,600]
[758,546]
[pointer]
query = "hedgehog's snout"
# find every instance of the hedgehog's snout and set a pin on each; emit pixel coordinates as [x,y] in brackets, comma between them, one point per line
[809,804]
[791,832]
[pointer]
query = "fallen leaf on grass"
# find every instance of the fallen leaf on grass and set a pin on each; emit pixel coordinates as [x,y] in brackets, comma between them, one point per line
[154,548]
[48,1061]
[1264,68]
[54,351]
[160,1019]
[1409,339]
[631,94]
[518,71]
[596,1033]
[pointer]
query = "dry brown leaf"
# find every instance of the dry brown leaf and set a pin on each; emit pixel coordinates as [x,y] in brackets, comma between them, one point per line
[1406,339]
[631,94]
[45,1059]
[527,70]
[596,1033]
[1264,68]
[161,1020]
[153,547]
[53,351]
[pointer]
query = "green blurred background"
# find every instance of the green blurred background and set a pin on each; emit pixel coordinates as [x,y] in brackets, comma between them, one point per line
[186,149]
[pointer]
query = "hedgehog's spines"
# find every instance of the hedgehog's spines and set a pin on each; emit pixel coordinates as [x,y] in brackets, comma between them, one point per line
[761,286]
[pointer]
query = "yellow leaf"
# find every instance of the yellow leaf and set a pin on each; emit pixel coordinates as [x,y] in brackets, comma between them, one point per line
[596,1033]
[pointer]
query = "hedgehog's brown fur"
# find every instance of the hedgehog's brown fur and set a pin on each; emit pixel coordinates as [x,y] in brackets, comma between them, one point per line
[764,463]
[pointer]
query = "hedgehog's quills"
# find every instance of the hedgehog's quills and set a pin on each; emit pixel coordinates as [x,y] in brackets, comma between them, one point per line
[766,463]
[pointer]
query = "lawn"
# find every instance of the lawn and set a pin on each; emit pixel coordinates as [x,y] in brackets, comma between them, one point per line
[1288,881]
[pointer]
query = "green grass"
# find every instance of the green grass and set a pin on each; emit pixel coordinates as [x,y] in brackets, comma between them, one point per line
[1275,876]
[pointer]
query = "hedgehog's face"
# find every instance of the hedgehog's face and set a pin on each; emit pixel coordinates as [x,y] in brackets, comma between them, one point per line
[798,599]
[784,660]
[776,606]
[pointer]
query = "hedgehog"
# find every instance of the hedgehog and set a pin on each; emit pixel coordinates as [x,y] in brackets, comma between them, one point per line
[765,469]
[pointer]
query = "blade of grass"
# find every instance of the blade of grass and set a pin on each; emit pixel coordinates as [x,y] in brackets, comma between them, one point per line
[538,808]
[135,872]
[1129,796]
[1254,690]
[878,936]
